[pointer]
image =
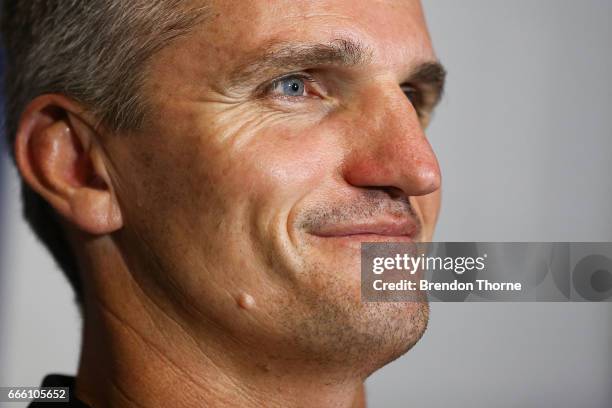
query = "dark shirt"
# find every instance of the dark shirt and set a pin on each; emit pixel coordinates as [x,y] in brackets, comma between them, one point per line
[56,380]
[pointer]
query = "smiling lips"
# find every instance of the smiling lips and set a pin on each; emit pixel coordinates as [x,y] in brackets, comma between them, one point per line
[404,229]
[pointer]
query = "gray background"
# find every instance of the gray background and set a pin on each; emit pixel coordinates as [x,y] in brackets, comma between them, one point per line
[524,139]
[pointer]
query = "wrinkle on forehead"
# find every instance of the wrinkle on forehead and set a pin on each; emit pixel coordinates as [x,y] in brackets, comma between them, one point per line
[388,26]
[393,32]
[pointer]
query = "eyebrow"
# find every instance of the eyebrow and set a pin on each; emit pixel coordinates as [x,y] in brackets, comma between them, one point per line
[282,57]
[274,57]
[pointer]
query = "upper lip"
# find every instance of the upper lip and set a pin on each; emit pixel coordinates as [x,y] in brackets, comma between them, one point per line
[407,227]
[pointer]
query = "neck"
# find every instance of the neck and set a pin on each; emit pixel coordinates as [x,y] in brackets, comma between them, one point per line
[136,353]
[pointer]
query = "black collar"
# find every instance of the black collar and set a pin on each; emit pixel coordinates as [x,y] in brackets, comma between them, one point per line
[56,380]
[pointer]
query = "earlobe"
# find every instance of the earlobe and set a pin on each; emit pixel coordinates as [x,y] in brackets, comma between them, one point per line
[94,211]
[58,157]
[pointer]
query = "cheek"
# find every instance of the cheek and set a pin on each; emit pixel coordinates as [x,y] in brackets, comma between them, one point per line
[283,164]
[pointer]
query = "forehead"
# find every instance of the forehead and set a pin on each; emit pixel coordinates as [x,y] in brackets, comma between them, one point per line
[391,29]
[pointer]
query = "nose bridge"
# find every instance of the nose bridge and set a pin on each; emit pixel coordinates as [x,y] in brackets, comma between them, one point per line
[391,149]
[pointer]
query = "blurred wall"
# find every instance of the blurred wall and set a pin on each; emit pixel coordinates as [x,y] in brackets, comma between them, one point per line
[524,138]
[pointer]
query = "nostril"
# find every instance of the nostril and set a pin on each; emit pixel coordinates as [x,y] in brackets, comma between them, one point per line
[394,192]
[390,192]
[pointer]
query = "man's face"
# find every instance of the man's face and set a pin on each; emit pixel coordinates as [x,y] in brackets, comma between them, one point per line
[281,137]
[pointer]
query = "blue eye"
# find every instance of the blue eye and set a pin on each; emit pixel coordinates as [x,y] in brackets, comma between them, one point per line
[292,86]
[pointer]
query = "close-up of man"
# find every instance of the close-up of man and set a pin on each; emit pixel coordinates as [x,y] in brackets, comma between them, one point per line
[204,173]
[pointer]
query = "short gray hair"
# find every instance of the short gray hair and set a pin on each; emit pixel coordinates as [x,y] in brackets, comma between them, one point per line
[93,51]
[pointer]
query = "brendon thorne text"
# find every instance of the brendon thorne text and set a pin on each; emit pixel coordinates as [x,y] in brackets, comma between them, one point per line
[424,284]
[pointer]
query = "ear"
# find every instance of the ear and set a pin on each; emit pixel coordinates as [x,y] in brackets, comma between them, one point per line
[58,155]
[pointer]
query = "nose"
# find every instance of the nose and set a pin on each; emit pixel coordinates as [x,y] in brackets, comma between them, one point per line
[387,145]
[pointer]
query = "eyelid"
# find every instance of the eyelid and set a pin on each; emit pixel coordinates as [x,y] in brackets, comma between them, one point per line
[300,75]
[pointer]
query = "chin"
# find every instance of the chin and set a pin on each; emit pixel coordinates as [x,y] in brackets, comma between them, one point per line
[406,323]
[340,331]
